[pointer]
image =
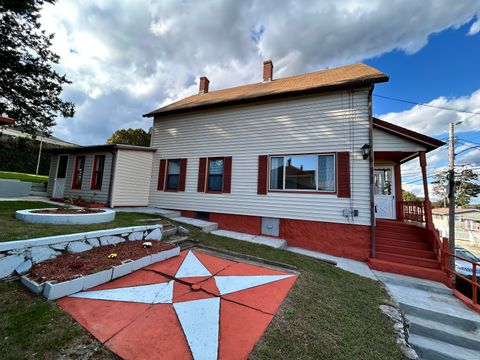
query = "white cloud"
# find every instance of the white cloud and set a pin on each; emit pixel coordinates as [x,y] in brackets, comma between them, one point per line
[128,57]
[475,28]
[434,121]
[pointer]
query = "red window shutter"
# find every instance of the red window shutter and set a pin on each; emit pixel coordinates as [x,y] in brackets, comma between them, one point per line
[343,174]
[161,174]
[183,175]
[201,175]
[262,174]
[227,174]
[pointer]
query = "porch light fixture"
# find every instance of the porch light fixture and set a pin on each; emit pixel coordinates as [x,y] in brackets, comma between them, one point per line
[365,150]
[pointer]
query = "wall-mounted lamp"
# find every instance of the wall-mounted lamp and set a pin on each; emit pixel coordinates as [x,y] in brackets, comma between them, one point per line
[366,151]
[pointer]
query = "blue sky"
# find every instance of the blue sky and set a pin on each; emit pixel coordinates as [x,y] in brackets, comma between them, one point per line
[129,57]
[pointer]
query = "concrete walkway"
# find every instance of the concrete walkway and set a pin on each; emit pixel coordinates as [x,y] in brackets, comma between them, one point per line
[441,326]
[33,198]
[149,210]
[353,266]
[263,240]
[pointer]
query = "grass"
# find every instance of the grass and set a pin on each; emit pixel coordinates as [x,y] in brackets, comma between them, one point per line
[23,177]
[329,313]
[13,229]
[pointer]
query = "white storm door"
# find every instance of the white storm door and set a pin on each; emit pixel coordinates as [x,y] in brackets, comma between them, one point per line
[383,184]
[60,177]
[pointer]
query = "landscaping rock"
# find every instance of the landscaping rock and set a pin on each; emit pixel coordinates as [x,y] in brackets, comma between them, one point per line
[59,246]
[9,263]
[110,240]
[94,242]
[183,231]
[137,235]
[42,253]
[156,234]
[78,246]
[24,267]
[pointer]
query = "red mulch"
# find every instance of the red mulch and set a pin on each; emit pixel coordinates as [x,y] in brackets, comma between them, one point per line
[81,203]
[68,266]
[67,211]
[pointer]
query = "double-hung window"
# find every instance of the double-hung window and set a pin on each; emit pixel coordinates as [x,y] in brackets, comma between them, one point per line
[97,174]
[173,174]
[303,172]
[215,174]
[78,172]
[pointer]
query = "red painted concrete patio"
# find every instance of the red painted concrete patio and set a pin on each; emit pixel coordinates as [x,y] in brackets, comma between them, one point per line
[194,306]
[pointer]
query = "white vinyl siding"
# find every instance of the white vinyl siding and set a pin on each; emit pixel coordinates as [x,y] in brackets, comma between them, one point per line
[386,141]
[313,124]
[132,178]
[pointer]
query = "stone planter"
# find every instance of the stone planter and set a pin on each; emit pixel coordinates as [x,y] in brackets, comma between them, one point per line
[64,219]
[53,290]
[120,270]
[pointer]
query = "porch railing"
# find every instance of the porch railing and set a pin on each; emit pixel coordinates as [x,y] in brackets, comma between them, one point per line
[412,210]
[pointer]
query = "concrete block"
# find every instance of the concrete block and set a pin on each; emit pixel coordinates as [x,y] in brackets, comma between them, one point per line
[78,247]
[24,267]
[141,263]
[137,235]
[110,240]
[33,286]
[60,246]
[94,242]
[98,278]
[183,231]
[9,263]
[156,234]
[42,253]
[121,270]
[53,291]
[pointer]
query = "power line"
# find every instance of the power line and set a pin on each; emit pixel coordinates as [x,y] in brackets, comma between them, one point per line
[426,105]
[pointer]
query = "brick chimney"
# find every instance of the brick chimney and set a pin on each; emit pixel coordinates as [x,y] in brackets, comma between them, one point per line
[267,71]
[203,85]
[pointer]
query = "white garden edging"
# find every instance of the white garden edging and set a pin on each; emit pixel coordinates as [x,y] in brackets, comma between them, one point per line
[53,290]
[65,219]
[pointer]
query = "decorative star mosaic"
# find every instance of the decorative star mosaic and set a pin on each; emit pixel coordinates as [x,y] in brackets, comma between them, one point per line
[194,306]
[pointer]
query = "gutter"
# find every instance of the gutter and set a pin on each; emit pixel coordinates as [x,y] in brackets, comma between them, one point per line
[371,165]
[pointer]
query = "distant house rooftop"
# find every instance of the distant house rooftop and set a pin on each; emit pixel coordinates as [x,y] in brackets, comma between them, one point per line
[343,77]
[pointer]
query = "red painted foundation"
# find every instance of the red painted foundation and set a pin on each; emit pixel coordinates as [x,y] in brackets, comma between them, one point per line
[240,223]
[345,240]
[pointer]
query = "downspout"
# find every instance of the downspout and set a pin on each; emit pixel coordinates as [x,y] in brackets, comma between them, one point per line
[112,173]
[371,164]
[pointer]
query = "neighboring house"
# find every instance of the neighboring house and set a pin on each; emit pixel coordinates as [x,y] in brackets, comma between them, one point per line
[18,132]
[300,158]
[116,175]
[467,224]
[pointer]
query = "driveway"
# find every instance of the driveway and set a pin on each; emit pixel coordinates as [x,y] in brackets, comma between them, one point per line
[193,306]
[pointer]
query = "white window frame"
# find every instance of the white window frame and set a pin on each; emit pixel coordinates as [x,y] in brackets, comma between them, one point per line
[334,191]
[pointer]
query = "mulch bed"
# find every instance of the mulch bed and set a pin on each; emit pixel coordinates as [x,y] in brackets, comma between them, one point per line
[69,266]
[81,203]
[67,211]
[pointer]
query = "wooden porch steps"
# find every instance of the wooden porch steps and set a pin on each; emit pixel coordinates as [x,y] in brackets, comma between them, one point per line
[403,249]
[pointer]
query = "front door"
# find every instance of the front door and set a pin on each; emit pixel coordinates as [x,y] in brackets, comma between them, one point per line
[384,192]
[59,185]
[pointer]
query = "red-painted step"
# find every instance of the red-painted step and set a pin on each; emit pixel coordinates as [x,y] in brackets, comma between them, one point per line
[409,260]
[409,270]
[425,254]
[405,244]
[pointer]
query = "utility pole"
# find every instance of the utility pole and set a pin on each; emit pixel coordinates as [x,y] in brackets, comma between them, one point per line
[451,194]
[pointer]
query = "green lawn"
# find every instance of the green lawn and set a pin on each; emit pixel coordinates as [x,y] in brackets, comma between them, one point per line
[329,313]
[23,177]
[13,229]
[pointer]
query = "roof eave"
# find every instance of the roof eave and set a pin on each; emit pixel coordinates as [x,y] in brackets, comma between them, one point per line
[286,94]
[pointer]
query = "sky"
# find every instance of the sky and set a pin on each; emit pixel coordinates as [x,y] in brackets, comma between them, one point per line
[126,58]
